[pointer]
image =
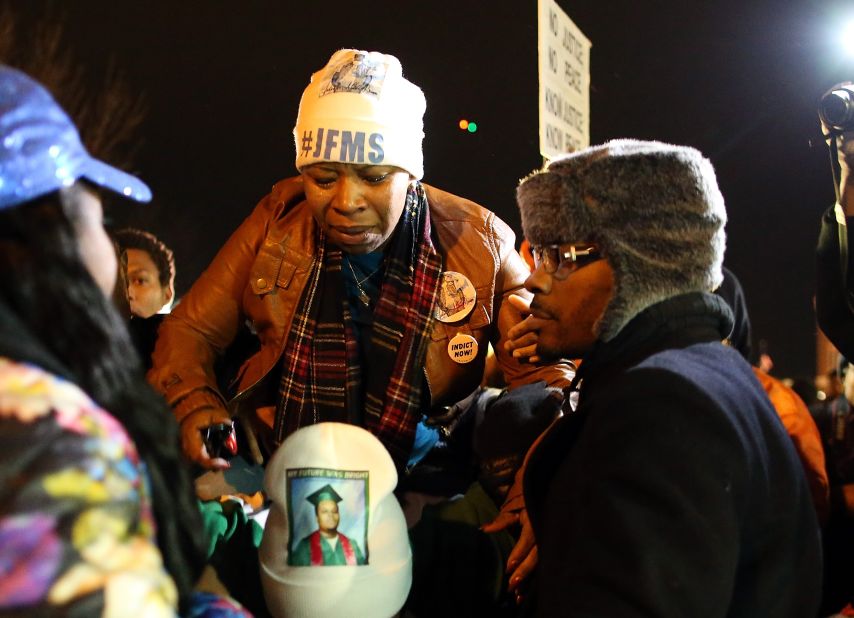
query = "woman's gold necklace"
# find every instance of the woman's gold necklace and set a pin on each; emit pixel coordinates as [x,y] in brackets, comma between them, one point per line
[362,294]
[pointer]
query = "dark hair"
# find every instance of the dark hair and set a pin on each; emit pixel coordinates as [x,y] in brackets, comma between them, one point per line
[161,255]
[44,282]
[731,291]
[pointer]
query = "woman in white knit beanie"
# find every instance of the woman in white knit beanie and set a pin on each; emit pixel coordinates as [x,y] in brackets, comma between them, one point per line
[374,296]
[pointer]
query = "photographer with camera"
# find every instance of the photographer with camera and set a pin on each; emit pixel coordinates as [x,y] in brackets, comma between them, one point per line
[834,299]
[834,304]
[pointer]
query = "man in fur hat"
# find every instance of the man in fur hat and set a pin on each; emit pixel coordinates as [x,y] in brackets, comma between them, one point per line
[673,489]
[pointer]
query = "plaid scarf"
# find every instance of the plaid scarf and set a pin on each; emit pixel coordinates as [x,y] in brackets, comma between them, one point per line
[322,379]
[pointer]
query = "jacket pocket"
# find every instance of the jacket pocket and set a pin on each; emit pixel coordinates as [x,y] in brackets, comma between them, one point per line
[265,272]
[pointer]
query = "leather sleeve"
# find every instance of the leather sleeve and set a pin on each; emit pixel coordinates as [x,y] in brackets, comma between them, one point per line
[511,280]
[207,319]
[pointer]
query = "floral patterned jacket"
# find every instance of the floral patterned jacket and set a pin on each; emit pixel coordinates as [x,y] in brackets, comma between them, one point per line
[77,532]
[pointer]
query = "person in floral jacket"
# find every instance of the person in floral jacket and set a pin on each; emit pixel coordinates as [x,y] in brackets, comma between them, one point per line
[97,514]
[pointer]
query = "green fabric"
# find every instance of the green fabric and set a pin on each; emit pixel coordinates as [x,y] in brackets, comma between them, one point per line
[233,541]
[332,556]
[458,569]
[225,520]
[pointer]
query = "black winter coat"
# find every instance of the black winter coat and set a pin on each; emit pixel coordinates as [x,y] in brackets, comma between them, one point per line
[673,490]
[833,299]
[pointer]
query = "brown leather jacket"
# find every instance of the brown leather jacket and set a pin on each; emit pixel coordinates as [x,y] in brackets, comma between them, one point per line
[259,276]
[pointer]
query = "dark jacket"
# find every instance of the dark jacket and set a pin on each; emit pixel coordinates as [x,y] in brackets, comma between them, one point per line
[673,490]
[833,301]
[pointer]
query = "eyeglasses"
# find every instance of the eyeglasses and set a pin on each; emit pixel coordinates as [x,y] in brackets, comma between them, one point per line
[568,257]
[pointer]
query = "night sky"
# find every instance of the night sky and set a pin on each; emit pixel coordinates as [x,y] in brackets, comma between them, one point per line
[738,80]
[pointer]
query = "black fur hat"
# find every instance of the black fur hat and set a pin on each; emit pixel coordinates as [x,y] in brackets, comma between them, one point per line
[654,209]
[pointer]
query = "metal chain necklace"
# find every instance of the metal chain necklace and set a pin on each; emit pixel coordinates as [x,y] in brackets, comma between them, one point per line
[363,296]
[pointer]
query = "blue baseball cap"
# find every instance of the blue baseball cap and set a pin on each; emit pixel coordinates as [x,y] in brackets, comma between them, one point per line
[40,148]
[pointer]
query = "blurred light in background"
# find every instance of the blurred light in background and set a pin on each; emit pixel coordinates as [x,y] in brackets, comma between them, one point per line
[848,37]
[467,125]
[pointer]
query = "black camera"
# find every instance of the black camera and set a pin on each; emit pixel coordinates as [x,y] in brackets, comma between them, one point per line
[836,107]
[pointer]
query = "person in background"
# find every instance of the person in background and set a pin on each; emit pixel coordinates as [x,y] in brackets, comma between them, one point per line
[791,409]
[836,424]
[829,383]
[672,489]
[834,307]
[150,272]
[804,387]
[97,515]
[834,303]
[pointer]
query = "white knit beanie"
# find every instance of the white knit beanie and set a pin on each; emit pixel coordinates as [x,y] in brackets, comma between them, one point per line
[654,209]
[359,109]
[349,465]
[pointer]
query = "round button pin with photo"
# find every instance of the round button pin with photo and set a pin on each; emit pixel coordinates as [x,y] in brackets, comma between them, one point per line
[457,297]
